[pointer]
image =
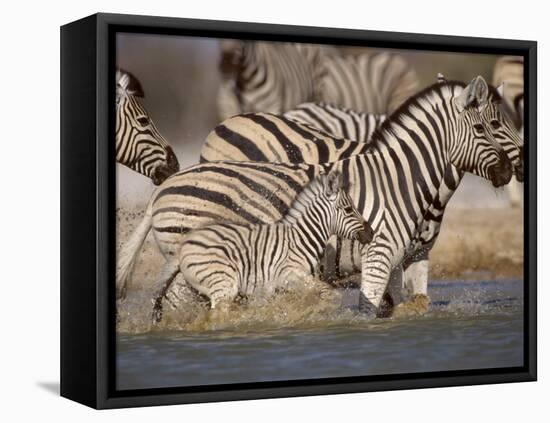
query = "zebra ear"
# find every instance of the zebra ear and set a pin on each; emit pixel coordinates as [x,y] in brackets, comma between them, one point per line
[333,183]
[126,82]
[475,94]
[441,78]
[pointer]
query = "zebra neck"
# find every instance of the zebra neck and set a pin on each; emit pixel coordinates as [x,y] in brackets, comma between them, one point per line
[427,123]
[309,237]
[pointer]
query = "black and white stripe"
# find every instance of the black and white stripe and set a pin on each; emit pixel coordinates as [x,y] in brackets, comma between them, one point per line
[139,144]
[226,260]
[394,184]
[275,77]
[370,82]
[267,77]
[264,137]
[337,121]
[509,72]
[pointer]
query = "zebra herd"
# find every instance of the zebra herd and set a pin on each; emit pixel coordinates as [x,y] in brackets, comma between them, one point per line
[399,166]
[224,260]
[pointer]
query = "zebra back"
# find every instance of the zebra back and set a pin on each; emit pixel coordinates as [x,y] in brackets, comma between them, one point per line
[337,121]
[276,77]
[375,83]
[266,76]
[265,137]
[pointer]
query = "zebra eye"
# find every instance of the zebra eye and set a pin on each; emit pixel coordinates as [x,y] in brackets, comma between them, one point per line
[478,128]
[143,121]
[495,124]
[348,209]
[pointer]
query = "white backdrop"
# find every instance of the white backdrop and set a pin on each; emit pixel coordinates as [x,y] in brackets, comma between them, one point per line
[30,209]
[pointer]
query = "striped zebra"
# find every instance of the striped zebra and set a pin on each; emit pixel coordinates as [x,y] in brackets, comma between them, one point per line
[139,144]
[226,260]
[408,161]
[339,122]
[371,82]
[264,137]
[276,141]
[267,76]
[275,77]
[509,71]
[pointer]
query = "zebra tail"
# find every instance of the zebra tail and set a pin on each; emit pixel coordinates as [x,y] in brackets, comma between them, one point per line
[127,255]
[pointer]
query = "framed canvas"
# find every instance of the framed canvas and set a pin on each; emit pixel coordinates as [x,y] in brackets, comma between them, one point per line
[258,211]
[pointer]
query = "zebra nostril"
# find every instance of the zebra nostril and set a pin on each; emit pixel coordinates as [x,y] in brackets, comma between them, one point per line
[501,173]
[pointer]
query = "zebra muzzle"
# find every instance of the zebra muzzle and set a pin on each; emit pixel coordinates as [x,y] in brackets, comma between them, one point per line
[501,173]
[166,169]
[518,169]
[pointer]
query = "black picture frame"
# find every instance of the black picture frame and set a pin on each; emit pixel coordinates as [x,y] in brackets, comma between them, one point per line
[88,205]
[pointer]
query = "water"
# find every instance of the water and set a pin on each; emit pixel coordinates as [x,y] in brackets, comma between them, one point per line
[470,325]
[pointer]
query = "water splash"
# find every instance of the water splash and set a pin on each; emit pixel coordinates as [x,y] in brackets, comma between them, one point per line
[312,305]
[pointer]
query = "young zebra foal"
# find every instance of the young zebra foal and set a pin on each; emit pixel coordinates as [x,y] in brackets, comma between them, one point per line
[222,261]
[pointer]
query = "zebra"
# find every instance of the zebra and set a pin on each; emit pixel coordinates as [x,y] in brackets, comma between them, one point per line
[267,76]
[139,144]
[224,260]
[509,71]
[275,77]
[371,82]
[339,122]
[265,137]
[342,258]
[408,161]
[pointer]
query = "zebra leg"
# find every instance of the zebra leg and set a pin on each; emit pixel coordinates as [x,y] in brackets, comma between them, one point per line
[394,293]
[415,284]
[180,293]
[222,293]
[376,269]
[169,272]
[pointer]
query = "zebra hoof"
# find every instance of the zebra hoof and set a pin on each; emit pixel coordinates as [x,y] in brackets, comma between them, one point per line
[386,308]
[156,316]
[418,305]
[366,307]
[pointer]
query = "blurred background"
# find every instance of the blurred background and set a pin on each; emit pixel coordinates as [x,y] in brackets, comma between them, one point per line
[481,235]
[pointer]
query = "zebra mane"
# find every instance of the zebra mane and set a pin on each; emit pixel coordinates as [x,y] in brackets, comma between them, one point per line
[305,198]
[436,88]
[127,82]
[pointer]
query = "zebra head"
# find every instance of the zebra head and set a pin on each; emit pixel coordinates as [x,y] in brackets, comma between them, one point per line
[139,144]
[475,149]
[504,130]
[347,222]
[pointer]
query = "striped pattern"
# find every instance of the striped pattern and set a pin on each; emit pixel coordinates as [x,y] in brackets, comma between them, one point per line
[337,121]
[275,77]
[376,83]
[441,128]
[263,137]
[226,260]
[139,144]
[509,71]
[267,76]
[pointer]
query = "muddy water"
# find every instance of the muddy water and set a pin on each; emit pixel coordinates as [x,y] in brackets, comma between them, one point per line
[470,325]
